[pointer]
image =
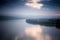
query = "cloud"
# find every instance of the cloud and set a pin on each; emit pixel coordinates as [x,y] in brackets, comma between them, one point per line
[34,4]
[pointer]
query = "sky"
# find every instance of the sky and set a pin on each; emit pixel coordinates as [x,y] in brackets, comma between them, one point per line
[18,8]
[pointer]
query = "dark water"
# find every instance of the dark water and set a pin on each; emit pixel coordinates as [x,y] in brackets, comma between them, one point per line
[12,28]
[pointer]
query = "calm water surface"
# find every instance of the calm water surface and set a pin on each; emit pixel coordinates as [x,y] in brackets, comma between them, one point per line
[17,27]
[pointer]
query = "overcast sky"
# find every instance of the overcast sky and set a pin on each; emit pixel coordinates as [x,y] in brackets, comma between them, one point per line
[18,8]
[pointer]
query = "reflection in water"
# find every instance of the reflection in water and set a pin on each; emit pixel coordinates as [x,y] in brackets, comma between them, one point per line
[20,30]
[36,32]
[33,30]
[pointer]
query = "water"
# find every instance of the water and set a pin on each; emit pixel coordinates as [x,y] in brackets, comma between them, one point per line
[16,28]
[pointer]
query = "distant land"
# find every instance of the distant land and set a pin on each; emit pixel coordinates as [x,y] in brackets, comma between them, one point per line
[2,18]
[45,22]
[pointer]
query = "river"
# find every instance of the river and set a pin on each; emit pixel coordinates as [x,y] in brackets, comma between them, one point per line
[17,27]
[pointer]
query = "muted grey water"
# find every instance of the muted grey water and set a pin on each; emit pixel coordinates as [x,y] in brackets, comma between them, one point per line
[17,27]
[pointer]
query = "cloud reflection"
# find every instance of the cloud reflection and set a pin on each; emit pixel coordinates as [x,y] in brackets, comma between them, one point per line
[37,33]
